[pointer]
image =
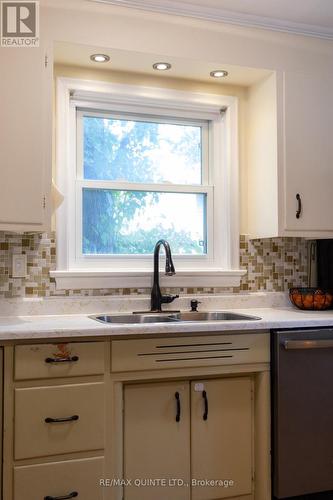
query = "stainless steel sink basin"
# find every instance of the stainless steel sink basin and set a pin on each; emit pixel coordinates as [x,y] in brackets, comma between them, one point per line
[134,318]
[214,316]
[174,317]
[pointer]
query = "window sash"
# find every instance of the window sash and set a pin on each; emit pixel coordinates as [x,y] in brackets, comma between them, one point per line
[125,186]
[203,124]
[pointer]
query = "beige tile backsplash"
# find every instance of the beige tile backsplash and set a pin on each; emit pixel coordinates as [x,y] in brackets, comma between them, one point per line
[272,265]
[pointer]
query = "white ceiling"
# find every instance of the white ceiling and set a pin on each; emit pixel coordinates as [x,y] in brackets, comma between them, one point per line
[133,62]
[308,17]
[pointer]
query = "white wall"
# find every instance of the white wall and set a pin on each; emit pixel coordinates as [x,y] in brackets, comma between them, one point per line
[107,26]
[119,28]
[261,158]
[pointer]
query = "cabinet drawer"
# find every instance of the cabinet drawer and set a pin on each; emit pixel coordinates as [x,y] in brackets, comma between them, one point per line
[58,479]
[59,360]
[210,350]
[36,437]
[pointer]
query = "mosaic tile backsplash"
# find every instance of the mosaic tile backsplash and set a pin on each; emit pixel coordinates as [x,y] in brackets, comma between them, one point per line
[272,265]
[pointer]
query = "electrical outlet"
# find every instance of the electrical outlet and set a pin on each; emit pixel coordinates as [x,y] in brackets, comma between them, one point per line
[19,265]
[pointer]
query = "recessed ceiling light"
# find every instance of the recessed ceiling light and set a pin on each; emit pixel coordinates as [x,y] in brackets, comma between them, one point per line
[162,66]
[219,73]
[100,58]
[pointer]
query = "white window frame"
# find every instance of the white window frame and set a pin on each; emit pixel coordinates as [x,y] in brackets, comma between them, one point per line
[220,267]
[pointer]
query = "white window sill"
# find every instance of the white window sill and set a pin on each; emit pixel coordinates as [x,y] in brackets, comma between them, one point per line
[92,279]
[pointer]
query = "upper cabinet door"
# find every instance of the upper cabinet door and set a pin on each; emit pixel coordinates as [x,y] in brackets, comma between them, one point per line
[25,138]
[308,126]
[221,437]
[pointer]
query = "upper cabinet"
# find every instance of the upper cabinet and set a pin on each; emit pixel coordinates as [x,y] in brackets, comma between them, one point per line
[290,156]
[308,128]
[25,138]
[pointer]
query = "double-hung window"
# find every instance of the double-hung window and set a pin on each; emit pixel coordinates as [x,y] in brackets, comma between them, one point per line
[141,178]
[136,165]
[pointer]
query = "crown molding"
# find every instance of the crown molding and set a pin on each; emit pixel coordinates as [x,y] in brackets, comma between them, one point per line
[226,16]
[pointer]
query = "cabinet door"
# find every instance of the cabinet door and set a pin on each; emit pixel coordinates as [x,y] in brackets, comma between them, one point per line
[308,125]
[221,439]
[156,445]
[25,138]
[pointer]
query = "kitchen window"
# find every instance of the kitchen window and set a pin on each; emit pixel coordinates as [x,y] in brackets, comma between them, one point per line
[136,164]
[139,179]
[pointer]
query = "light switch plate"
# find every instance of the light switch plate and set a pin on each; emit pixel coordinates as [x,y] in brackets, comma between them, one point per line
[19,265]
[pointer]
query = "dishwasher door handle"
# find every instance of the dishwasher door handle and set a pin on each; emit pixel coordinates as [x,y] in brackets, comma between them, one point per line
[307,344]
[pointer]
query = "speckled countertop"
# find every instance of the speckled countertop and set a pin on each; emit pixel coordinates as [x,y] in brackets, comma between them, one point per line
[31,321]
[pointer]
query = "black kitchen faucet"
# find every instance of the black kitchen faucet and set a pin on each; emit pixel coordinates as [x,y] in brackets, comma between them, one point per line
[157,299]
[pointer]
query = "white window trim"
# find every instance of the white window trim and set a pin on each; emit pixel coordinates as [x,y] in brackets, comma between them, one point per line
[223,268]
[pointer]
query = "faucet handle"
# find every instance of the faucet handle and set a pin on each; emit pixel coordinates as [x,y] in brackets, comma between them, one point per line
[194,305]
[166,299]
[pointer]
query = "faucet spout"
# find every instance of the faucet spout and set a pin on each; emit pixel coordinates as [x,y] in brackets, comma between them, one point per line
[157,299]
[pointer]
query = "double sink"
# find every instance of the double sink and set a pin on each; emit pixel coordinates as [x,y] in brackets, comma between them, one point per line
[173,317]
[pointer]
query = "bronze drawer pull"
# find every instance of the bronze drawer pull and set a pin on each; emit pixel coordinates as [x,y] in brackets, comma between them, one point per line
[70,359]
[299,208]
[205,398]
[177,396]
[50,420]
[66,497]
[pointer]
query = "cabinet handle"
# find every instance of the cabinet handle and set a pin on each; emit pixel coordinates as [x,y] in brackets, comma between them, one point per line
[50,420]
[307,344]
[205,398]
[299,209]
[70,359]
[177,396]
[66,497]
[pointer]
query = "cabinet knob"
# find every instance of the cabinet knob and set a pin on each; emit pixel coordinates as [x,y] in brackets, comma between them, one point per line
[66,497]
[299,207]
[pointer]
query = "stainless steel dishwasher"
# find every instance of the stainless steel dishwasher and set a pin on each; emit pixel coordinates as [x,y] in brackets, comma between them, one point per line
[302,414]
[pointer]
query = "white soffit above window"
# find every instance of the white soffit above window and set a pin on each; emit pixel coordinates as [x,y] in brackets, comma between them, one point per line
[304,17]
[139,63]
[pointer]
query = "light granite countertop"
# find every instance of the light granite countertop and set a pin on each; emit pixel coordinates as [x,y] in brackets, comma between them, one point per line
[48,327]
[68,317]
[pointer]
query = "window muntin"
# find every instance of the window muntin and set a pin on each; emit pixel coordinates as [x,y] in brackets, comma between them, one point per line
[158,167]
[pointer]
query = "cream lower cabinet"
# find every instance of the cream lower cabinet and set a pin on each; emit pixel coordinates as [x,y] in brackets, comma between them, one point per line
[60,480]
[156,439]
[199,433]
[54,421]
[61,419]
[221,438]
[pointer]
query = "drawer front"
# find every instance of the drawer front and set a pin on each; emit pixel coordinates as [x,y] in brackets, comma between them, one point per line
[37,436]
[211,350]
[59,479]
[59,360]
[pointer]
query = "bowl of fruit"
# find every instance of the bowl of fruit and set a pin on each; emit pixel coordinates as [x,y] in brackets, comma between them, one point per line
[311,299]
